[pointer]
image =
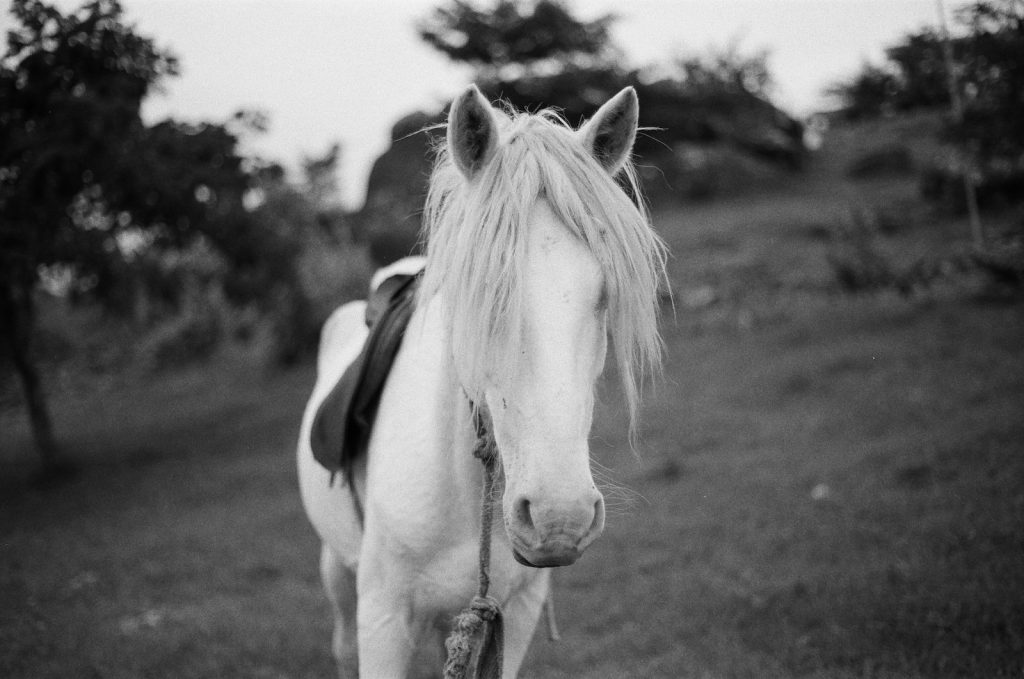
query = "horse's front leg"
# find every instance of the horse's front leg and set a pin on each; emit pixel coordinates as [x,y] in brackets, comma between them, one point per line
[340,586]
[520,615]
[387,627]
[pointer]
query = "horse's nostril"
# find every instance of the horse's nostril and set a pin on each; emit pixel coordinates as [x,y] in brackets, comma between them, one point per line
[597,525]
[523,513]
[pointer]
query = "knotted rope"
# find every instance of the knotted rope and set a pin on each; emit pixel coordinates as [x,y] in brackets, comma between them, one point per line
[476,644]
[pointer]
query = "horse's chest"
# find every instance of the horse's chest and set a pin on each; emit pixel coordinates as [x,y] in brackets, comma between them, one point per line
[450,580]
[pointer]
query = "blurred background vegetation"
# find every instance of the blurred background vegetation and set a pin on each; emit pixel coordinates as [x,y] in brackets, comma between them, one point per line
[168,239]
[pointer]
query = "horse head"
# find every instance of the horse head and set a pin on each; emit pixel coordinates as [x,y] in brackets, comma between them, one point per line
[550,251]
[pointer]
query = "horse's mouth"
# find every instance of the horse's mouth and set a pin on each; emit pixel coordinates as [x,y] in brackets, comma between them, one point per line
[547,561]
[522,559]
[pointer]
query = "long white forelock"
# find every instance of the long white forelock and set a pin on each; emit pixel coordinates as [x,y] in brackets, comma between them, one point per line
[476,248]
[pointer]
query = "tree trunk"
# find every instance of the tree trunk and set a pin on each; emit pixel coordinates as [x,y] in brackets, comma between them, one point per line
[16,309]
[38,414]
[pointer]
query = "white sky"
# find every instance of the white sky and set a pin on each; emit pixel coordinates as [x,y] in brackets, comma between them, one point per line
[345,70]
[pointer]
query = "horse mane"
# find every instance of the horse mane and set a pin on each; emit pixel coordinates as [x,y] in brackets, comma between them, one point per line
[476,235]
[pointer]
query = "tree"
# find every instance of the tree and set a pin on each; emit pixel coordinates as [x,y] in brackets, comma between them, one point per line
[914,76]
[70,90]
[81,176]
[993,63]
[320,175]
[537,53]
[725,71]
[872,92]
[988,64]
[517,37]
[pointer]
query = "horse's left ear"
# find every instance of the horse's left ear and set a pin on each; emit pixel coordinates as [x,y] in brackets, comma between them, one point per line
[610,134]
[472,131]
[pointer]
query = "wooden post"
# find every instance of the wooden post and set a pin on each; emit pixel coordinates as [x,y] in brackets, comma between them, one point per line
[967,158]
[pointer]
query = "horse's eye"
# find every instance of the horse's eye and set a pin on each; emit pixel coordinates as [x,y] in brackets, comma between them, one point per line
[602,299]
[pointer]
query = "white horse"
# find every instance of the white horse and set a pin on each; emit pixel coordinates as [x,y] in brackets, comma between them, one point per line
[535,256]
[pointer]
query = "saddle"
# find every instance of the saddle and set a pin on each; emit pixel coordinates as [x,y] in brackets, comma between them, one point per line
[341,427]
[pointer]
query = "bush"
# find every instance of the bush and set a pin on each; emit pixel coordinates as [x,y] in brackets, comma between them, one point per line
[708,171]
[331,276]
[988,58]
[882,162]
[1003,261]
[190,336]
[858,261]
[944,184]
[859,266]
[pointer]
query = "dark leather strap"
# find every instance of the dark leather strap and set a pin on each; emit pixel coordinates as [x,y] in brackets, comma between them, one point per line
[342,425]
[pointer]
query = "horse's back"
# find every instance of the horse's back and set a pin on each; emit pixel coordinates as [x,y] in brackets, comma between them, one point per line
[330,506]
[343,330]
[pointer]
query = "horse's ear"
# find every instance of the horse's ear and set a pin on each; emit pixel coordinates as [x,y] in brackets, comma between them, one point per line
[610,134]
[472,131]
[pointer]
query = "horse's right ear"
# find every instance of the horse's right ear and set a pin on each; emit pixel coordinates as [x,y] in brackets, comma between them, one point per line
[610,134]
[472,131]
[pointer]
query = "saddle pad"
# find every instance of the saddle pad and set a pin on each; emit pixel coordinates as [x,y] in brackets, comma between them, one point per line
[341,428]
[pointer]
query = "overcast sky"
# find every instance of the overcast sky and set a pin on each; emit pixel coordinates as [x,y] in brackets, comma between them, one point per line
[345,70]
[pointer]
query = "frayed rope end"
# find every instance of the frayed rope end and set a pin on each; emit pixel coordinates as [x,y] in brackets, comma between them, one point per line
[476,643]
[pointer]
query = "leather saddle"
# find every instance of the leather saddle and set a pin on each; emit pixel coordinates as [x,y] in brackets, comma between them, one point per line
[344,420]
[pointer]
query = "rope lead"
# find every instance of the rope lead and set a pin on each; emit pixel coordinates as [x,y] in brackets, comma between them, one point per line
[476,644]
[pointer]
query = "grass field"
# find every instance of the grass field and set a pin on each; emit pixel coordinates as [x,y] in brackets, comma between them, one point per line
[829,485]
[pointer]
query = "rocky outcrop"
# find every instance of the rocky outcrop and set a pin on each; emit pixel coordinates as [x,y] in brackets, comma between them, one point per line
[396,189]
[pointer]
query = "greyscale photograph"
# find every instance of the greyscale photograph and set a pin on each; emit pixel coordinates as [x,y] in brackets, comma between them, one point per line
[485,339]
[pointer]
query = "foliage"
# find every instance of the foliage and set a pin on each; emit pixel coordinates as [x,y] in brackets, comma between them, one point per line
[575,66]
[860,260]
[517,37]
[87,185]
[914,76]
[88,189]
[316,254]
[321,177]
[83,177]
[988,56]
[888,160]
[536,53]
[869,93]
[725,70]
[70,88]
[994,77]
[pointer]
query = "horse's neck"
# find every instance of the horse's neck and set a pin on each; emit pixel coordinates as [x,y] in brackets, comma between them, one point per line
[433,375]
[424,429]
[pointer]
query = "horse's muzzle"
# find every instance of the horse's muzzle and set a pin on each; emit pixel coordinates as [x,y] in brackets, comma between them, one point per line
[543,538]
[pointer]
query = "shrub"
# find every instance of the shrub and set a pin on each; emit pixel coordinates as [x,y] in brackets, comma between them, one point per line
[944,184]
[331,276]
[857,261]
[859,266]
[881,162]
[189,336]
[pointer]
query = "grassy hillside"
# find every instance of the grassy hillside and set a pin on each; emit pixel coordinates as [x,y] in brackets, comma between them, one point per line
[829,485]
